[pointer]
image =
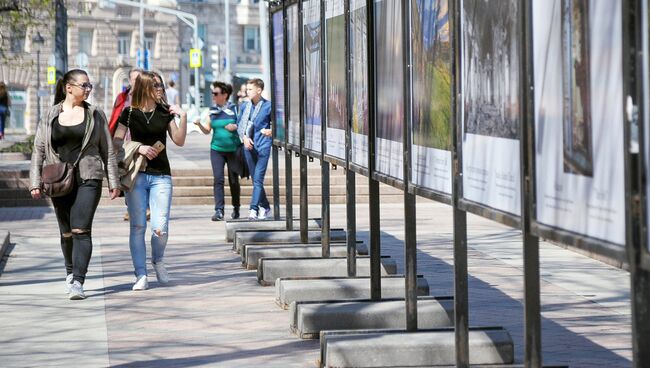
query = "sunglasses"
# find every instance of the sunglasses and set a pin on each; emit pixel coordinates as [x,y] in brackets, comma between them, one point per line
[87,86]
[217,93]
[159,85]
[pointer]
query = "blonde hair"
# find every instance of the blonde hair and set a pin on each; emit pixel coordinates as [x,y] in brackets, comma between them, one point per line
[143,90]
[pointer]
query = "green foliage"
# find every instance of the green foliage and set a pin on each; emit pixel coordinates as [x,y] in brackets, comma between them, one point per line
[21,147]
[20,18]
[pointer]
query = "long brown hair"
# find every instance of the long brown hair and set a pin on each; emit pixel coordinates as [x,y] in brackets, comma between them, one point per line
[69,77]
[143,90]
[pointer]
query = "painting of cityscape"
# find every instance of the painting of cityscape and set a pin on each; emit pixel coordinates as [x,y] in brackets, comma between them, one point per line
[490,60]
[576,103]
[278,75]
[311,41]
[431,50]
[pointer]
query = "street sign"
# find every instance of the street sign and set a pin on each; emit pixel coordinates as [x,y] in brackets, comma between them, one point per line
[51,75]
[195,58]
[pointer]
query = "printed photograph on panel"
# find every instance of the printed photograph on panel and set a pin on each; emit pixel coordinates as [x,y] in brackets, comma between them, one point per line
[390,78]
[294,80]
[359,61]
[431,49]
[278,75]
[311,41]
[336,99]
[491,67]
[578,157]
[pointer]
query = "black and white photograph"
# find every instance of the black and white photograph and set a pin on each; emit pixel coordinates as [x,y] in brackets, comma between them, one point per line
[491,82]
[312,54]
[293,49]
[432,78]
[278,75]
[359,65]
[578,158]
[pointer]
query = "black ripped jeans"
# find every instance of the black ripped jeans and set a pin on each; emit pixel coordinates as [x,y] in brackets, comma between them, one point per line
[76,211]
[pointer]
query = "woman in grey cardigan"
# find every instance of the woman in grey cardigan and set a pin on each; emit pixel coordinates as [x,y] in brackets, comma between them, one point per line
[73,131]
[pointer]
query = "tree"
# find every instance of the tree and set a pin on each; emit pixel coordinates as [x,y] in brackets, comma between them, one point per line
[19,18]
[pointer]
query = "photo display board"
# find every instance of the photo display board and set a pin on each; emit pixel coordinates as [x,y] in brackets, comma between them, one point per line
[337,109]
[311,36]
[491,113]
[579,135]
[359,64]
[293,49]
[645,26]
[278,77]
[432,91]
[389,84]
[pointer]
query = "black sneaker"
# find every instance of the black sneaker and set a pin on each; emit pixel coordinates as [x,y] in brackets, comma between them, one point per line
[218,215]
[235,213]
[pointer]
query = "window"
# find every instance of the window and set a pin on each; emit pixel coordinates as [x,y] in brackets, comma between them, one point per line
[149,41]
[251,38]
[17,41]
[86,41]
[123,43]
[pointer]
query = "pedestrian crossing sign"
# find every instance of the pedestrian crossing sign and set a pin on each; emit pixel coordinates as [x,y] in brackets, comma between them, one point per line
[51,75]
[195,58]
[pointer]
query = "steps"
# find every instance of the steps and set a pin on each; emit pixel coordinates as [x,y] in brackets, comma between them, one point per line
[194,187]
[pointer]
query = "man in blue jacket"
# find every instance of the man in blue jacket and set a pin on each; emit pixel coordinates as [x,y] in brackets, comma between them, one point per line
[254,128]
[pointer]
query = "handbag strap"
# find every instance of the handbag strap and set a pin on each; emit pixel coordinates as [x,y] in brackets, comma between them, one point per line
[88,120]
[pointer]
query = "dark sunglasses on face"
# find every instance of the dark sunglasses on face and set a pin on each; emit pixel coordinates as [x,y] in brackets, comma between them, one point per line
[159,85]
[217,93]
[87,86]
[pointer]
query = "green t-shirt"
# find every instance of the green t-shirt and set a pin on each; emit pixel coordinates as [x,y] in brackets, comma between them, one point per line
[222,139]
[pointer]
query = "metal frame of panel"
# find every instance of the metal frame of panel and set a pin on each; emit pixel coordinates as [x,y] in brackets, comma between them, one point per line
[303,150]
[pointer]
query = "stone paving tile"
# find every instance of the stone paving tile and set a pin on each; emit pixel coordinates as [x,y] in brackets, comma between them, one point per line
[213,313]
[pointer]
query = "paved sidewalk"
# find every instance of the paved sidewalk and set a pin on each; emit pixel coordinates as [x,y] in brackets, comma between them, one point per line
[214,313]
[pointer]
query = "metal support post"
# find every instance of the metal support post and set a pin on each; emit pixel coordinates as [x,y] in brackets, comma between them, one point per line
[351,218]
[276,182]
[304,200]
[325,210]
[288,182]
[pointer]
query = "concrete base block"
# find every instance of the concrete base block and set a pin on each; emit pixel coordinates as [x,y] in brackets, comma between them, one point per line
[4,242]
[282,236]
[424,348]
[249,225]
[308,319]
[270,269]
[244,247]
[251,254]
[289,290]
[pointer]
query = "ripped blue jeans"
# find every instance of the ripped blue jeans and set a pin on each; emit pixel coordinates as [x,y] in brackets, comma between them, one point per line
[154,191]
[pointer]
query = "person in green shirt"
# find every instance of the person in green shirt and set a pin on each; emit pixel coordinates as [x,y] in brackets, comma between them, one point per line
[222,123]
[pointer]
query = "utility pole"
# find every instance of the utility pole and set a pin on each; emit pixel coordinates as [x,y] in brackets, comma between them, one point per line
[266,55]
[60,38]
[141,53]
[227,71]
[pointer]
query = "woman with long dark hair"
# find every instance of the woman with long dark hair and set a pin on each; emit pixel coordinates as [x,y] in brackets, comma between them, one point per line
[5,103]
[222,122]
[75,132]
[150,120]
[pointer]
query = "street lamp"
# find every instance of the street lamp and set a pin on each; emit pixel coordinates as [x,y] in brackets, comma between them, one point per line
[38,40]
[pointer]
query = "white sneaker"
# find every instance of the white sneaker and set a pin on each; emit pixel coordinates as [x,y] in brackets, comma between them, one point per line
[77,291]
[68,283]
[141,283]
[161,272]
[264,214]
[252,215]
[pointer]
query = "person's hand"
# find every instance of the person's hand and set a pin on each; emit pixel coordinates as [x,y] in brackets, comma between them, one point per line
[197,121]
[266,132]
[36,193]
[176,110]
[231,127]
[248,143]
[114,193]
[148,151]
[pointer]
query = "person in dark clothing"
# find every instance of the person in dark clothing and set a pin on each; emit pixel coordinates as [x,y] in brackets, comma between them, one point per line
[222,122]
[75,132]
[149,120]
[5,103]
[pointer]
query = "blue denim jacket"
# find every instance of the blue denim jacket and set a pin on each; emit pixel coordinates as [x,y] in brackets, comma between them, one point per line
[261,121]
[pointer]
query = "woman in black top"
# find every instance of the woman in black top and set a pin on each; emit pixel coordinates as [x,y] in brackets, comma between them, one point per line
[150,120]
[75,132]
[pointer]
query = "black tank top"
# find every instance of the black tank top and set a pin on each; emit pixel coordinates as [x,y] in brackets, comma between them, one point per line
[67,140]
